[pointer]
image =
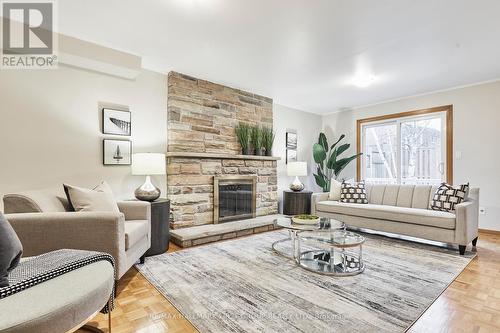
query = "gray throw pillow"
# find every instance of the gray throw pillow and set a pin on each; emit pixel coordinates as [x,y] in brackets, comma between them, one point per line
[11,250]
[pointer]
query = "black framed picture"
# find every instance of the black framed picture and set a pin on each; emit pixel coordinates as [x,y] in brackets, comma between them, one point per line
[291,155]
[116,122]
[291,140]
[116,152]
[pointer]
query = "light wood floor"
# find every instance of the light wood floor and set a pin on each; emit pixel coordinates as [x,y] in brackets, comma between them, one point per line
[470,304]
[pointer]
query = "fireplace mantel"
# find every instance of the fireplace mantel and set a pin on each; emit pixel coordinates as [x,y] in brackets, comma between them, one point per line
[222,156]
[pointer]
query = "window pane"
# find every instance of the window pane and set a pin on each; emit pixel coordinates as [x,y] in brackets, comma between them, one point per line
[380,149]
[421,151]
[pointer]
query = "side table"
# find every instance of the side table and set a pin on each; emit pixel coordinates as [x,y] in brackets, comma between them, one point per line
[296,203]
[160,227]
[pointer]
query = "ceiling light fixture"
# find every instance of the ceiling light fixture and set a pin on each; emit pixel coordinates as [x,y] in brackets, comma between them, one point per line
[363,81]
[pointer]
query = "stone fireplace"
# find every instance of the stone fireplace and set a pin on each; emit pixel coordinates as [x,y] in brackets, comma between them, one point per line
[203,152]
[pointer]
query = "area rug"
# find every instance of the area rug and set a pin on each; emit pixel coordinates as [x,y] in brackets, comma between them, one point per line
[243,286]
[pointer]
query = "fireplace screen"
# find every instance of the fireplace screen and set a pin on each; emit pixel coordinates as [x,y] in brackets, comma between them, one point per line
[234,198]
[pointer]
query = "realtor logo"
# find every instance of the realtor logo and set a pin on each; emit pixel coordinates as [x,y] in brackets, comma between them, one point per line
[27,35]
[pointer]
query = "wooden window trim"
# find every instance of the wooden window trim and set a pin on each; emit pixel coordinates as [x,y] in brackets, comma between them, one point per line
[449,134]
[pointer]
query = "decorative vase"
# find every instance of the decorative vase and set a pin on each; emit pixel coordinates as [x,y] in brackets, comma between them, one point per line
[297,185]
[147,191]
[245,151]
[269,152]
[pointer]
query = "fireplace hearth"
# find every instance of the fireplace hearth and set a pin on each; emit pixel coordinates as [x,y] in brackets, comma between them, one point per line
[234,198]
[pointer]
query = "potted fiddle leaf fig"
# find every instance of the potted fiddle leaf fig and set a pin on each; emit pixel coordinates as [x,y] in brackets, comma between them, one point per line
[257,140]
[268,140]
[328,160]
[243,133]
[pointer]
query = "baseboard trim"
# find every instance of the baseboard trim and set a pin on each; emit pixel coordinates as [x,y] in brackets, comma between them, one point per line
[488,231]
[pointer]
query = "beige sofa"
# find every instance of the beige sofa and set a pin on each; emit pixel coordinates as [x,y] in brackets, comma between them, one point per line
[43,222]
[405,210]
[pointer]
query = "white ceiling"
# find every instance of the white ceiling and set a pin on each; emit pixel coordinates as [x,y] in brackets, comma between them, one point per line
[303,53]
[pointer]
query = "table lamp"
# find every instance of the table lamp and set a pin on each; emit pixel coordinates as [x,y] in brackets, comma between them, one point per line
[148,164]
[296,169]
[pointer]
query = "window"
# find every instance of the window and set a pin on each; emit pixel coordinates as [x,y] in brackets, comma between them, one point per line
[406,148]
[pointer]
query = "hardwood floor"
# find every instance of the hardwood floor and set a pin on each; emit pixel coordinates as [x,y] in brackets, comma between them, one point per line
[140,308]
[470,304]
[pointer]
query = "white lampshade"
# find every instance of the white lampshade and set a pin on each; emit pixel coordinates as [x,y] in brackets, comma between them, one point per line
[296,169]
[148,164]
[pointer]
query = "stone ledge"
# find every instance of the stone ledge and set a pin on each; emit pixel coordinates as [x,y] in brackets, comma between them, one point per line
[192,236]
[222,156]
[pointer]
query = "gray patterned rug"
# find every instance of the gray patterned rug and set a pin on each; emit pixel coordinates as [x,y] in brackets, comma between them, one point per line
[243,286]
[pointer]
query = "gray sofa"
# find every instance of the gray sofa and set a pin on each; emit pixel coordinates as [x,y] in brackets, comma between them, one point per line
[405,210]
[43,222]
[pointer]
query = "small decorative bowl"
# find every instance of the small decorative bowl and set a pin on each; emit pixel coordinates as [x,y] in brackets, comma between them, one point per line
[306,219]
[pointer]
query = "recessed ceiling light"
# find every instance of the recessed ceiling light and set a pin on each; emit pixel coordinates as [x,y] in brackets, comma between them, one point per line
[363,81]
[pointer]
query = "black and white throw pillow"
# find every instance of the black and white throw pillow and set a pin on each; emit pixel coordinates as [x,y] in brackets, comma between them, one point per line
[353,193]
[447,197]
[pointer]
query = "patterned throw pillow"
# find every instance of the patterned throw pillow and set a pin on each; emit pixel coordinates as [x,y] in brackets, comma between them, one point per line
[447,197]
[353,193]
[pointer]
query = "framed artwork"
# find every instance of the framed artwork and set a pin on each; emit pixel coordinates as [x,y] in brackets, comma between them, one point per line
[116,122]
[117,152]
[291,139]
[291,155]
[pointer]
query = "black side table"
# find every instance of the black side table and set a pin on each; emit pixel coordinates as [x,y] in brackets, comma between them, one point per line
[296,203]
[160,227]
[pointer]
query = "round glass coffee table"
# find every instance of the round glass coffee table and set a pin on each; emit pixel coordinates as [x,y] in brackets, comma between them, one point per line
[294,228]
[331,252]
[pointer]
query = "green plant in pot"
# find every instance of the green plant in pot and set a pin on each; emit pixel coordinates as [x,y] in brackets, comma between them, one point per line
[268,140]
[328,160]
[257,141]
[243,133]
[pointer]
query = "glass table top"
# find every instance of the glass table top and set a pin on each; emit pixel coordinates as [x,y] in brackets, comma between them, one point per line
[331,238]
[325,223]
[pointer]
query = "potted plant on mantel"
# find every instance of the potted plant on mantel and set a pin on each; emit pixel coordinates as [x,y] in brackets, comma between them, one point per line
[257,141]
[268,140]
[243,133]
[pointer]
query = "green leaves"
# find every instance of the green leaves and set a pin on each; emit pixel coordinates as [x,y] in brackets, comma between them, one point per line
[243,133]
[322,141]
[334,166]
[342,163]
[319,153]
[331,161]
[256,137]
[321,179]
[343,148]
[341,137]
[267,138]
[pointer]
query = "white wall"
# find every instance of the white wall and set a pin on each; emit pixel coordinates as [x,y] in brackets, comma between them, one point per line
[50,127]
[308,127]
[476,119]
